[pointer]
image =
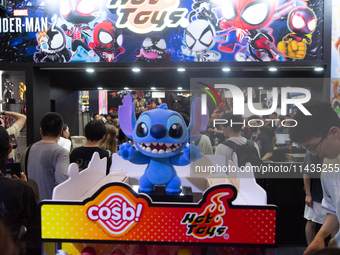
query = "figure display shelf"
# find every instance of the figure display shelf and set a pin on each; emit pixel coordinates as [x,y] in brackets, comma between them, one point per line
[248,191]
[108,210]
[12,101]
[8,92]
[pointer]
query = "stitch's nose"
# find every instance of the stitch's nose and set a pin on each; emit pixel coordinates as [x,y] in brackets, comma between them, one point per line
[158,131]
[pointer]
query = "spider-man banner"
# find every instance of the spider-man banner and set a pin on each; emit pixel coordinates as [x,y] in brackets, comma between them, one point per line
[335,58]
[161,30]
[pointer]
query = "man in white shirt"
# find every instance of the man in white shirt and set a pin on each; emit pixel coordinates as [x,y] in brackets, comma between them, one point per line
[319,133]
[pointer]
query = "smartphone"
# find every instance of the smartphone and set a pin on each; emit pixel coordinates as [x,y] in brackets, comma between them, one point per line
[11,168]
[13,141]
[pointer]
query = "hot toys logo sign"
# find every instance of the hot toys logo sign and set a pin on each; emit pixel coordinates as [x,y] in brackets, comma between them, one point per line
[208,224]
[144,16]
[116,214]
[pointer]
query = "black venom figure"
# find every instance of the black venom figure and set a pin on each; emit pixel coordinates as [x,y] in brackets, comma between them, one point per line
[52,46]
[153,50]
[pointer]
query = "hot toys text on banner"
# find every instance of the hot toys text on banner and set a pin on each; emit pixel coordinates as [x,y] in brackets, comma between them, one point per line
[116,213]
[156,31]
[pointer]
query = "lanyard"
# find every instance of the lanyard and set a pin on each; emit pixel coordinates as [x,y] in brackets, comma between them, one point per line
[255,137]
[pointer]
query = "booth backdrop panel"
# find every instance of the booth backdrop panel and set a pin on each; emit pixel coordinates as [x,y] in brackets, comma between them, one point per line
[335,57]
[161,31]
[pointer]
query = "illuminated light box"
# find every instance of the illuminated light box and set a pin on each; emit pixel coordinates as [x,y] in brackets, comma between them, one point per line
[107,209]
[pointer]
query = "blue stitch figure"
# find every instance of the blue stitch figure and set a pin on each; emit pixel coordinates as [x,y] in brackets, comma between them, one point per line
[160,135]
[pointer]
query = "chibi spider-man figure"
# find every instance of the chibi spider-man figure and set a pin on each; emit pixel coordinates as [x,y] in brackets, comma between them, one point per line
[245,21]
[302,23]
[107,41]
[79,13]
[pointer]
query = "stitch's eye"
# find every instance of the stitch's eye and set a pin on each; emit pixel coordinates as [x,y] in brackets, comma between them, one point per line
[142,129]
[176,130]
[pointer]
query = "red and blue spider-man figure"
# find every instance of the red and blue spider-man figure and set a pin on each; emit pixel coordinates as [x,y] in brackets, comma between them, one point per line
[248,18]
[107,41]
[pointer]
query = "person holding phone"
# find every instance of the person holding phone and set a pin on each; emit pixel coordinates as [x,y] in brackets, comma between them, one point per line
[14,130]
[21,221]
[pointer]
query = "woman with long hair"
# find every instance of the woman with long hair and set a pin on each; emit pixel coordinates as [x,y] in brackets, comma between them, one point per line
[109,143]
[64,140]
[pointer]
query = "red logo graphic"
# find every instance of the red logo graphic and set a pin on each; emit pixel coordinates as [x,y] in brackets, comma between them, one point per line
[210,222]
[115,214]
[20,12]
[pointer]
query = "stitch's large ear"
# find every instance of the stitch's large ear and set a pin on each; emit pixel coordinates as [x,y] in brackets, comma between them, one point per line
[198,120]
[127,117]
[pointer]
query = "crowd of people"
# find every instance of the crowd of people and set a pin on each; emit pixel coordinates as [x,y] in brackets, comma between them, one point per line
[261,130]
[44,164]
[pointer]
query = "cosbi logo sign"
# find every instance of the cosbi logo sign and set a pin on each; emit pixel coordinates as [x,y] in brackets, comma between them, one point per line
[116,214]
[208,224]
[238,100]
[145,16]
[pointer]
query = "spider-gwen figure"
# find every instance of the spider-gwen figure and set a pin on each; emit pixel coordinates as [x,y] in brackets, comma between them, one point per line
[198,36]
[107,41]
[302,23]
[159,136]
[198,41]
[250,18]
[79,13]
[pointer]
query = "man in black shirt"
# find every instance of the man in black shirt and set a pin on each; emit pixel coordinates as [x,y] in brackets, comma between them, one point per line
[18,203]
[270,133]
[273,116]
[262,140]
[94,132]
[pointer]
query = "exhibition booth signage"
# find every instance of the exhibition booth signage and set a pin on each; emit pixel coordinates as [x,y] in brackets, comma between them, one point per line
[155,31]
[116,213]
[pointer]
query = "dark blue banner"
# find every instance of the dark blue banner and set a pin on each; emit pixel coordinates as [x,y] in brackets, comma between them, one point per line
[161,30]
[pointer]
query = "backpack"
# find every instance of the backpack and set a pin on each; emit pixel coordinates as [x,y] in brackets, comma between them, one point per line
[245,153]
